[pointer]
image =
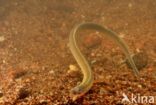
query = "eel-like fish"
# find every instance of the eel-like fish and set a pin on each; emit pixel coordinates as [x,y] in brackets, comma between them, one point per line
[87,81]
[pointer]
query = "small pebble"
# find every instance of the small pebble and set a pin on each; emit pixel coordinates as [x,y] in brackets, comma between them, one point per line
[140,86]
[27,80]
[93,54]
[2,38]
[51,71]
[130,5]
[72,68]
[1,101]
[93,61]
[121,35]
[140,59]
[23,93]
[43,102]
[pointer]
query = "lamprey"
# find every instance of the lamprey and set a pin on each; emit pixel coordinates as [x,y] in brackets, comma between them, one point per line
[87,81]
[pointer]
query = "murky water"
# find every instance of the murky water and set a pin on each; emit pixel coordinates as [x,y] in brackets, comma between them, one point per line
[35,59]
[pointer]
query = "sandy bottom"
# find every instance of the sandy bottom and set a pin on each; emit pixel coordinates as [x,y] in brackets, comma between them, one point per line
[35,60]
